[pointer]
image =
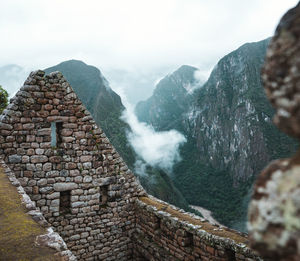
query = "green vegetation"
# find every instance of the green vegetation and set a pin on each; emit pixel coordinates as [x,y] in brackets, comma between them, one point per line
[170,99]
[106,108]
[102,102]
[18,230]
[3,99]
[207,187]
[230,134]
[159,184]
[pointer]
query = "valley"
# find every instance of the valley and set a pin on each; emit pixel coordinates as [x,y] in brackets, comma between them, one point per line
[226,122]
[228,125]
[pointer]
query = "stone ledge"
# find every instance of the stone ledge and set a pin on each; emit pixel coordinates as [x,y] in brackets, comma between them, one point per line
[212,235]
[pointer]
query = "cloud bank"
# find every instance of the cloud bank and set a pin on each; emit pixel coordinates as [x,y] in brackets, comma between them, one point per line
[158,149]
[140,39]
[200,77]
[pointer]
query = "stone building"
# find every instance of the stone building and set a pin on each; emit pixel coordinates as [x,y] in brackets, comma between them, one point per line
[67,166]
[85,191]
[81,200]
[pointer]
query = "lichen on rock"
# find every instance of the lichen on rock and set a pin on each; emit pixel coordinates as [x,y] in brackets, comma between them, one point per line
[274,212]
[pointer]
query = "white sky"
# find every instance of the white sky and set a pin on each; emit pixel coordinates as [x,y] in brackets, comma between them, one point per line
[133,42]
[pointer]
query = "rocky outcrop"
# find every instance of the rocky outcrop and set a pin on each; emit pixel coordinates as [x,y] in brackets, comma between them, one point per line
[171,98]
[231,120]
[274,212]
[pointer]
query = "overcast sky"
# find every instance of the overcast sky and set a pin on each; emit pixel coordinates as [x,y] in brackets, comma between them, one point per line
[133,42]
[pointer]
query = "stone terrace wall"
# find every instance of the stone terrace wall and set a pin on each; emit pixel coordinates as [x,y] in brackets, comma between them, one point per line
[82,186]
[163,236]
[51,239]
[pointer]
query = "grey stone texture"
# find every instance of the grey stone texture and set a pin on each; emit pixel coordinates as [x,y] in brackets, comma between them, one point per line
[274,212]
[51,239]
[162,236]
[281,73]
[81,163]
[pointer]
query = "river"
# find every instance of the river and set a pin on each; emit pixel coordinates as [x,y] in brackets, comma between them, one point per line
[206,214]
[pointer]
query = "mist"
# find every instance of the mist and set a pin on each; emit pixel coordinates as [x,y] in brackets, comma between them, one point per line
[158,149]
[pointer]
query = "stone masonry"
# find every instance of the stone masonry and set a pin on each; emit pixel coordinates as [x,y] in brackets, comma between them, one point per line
[85,191]
[80,184]
[164,232]
[83,188]
[50,239]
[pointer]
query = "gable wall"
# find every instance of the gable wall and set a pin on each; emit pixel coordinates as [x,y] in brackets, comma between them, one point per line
[86,165]
[83,163]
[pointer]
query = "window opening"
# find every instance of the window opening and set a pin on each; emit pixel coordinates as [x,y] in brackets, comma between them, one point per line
[189,242]
[103,195]
[65,202]
[230,255]
[158,222]
[56,128]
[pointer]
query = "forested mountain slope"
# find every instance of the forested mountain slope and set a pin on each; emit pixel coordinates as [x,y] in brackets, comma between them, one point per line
[227,122]
[106,107]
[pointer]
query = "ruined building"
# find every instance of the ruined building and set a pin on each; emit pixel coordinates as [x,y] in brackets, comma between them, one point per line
[83,203]
[85,191]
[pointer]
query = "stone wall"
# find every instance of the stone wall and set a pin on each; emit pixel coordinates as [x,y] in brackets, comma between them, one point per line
[67,166]
[83,188]
[51,239]
[164,232]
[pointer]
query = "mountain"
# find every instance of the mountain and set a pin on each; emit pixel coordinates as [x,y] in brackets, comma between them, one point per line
[170,99]
[103,103]
[227,122]
[106,108]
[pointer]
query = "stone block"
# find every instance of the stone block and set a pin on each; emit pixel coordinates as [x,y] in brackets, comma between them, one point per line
[42,182]
[53,195]
[38,159]
[28,126]
[106,181]
[87,179]
[77,204]
[65,186]
[86,158]
[54,203]
[47,166]
[4,126]
[14,158]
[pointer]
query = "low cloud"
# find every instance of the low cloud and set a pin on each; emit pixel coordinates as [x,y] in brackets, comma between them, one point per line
[200,77]
[158,149]
[140,168]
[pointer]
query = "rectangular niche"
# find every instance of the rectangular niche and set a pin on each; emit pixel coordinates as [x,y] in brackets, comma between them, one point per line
[103,195]
[189,241]
[65,202]
[157,223]
[230,255]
